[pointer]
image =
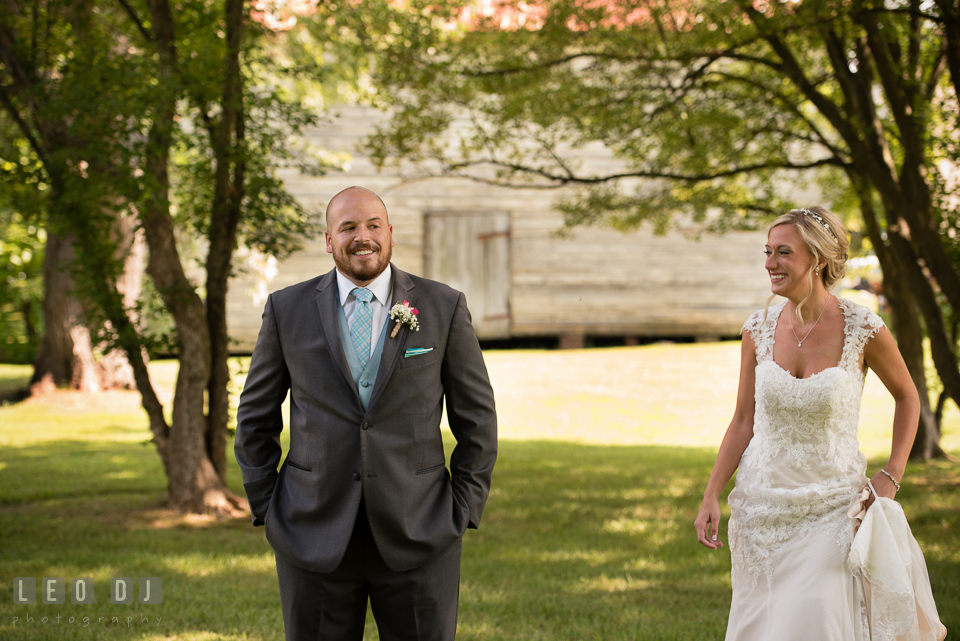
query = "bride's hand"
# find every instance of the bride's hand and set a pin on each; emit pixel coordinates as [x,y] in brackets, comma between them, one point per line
[883,486]
[708,524]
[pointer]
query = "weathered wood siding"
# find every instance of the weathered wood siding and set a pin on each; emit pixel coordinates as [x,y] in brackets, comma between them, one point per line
[595,282]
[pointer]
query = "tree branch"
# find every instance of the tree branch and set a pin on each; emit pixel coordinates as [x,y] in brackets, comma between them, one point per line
[792,69]
[914,13]
[549,64]
[792,107]
[898,95]
[951,31]
[731,52]
[24,127]
[136,20]
[572,179]
[936,72]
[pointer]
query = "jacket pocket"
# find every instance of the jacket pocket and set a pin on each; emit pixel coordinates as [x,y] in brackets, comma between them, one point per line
[432,469]
[296,466]
[420,360]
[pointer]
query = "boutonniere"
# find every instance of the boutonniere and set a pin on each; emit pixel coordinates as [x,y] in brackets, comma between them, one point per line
[404,315]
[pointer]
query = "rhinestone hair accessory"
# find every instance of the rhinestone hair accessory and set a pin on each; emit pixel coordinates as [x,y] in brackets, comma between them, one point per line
[821,222]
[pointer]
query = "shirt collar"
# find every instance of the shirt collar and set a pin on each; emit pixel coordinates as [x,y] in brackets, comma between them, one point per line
[381,286]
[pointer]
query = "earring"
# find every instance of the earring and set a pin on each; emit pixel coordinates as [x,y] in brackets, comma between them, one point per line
[817,270]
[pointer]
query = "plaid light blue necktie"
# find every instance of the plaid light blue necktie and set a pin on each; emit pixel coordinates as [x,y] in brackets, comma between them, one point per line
[362,329]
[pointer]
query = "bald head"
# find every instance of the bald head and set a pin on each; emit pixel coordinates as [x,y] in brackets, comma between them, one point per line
[351,196]
[359,235]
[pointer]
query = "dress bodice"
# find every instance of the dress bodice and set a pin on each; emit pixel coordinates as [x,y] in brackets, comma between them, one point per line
[810,424]
[803,463]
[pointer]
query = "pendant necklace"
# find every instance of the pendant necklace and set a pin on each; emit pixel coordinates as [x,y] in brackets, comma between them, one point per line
[800,340]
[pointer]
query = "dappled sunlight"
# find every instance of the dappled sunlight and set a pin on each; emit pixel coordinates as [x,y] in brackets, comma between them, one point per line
[107,401]
[947,473]
[127,474]
[196,564]
[941,552]
[478,630]
[645,564]
[64,468]
[682,486]
[476,592]
[647,510]
[590,557]
[168,518]
[638,494]
[626,525]
[603,583]
[43,421]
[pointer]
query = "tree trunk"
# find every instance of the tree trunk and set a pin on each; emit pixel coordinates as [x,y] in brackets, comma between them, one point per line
[905,194]
[909,333]
[193,482]
[228,145]
[906,328]
[950,11]
[65,355]
[941,346]
[55,353]
[195,485]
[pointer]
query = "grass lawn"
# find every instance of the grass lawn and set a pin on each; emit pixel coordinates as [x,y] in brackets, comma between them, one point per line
[587,534]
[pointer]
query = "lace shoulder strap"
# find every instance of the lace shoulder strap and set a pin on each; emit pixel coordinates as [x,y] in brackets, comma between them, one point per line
[861,325]
[762,328]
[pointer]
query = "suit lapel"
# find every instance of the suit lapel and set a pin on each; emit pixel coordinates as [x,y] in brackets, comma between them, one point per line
[402,291]
[327,305]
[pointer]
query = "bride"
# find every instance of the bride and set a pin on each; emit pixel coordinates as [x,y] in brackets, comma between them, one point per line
[794,439]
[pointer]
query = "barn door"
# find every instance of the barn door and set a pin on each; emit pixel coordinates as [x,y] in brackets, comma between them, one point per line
[471,253]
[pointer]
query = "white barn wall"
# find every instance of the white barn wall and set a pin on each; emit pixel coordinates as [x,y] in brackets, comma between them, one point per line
[596,282]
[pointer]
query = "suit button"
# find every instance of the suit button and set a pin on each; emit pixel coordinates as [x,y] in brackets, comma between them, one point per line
[365,426]
[365,383]
[356,476]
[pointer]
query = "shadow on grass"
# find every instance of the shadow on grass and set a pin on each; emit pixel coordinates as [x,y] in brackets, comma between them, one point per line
[577,542]
[71,469]
[14,382]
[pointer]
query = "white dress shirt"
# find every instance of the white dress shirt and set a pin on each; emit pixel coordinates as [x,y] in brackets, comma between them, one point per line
[382,288]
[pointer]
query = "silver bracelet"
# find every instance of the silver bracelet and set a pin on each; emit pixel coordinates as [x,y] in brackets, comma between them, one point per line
[890,476]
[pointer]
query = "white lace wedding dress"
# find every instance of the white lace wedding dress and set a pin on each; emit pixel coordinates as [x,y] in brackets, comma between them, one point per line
[789,532]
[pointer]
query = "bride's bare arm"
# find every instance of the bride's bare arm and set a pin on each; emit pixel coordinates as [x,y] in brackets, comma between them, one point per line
[882,356]
[735,441]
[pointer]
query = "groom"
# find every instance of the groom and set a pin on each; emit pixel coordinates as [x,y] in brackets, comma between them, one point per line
[363,506]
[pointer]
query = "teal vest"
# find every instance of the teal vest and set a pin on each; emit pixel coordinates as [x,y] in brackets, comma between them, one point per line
[366,377]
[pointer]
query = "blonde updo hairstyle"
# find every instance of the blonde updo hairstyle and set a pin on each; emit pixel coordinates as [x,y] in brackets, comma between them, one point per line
[826,246]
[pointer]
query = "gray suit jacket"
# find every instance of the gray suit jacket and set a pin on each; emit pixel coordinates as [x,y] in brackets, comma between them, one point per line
[392,453]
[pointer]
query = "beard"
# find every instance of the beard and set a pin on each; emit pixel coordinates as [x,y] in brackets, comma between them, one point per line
[368,270]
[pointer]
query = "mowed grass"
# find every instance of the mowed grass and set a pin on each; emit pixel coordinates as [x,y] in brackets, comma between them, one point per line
[587,534]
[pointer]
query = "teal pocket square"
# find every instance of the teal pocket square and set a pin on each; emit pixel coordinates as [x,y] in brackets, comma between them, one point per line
[416,351]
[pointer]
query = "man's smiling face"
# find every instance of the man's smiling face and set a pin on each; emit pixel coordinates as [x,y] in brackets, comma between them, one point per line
[359,235]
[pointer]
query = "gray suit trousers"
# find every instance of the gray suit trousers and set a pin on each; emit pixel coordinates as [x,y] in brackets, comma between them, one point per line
[414,605]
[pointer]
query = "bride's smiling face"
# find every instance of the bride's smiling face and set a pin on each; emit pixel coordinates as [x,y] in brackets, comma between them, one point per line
[789,262]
